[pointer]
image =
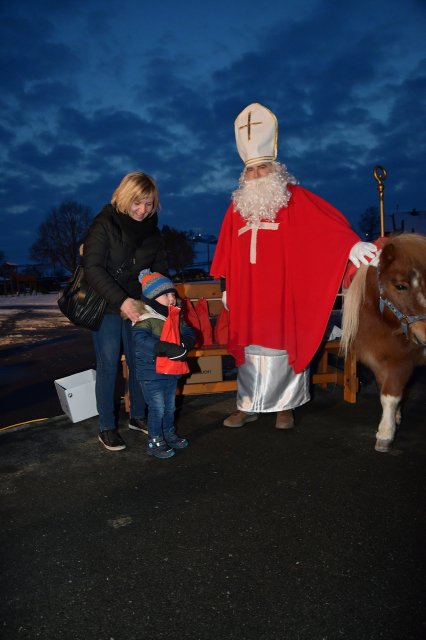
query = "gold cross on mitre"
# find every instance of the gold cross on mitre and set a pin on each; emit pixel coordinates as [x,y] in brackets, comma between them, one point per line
[249,125]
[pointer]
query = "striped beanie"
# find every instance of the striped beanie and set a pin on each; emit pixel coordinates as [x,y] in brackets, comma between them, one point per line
[155,284]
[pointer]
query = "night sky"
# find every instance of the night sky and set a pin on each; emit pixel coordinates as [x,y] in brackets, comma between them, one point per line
[93,90]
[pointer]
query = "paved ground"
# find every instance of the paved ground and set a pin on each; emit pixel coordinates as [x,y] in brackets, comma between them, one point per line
[37,346]
[249,534]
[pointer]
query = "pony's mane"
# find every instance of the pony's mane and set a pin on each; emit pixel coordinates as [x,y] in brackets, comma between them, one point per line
[413,246]
[352,301]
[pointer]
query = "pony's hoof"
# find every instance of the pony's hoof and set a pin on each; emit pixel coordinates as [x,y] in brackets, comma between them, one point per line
[383,446]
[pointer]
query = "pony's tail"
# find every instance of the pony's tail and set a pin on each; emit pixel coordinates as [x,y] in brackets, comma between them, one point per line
[352,300]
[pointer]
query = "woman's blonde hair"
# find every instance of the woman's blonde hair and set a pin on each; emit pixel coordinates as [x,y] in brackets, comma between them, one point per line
[133,187]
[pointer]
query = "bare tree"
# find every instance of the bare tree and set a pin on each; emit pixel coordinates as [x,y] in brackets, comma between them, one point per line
[180,252]
[60,235]
[369,223]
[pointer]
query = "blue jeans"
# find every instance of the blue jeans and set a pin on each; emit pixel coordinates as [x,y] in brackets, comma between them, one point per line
[160,396]
[108,340]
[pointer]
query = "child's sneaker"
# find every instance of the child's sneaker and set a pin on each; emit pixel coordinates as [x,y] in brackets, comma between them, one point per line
[159,448]
[174,441]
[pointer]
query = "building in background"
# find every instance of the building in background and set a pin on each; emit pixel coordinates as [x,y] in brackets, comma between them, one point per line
[413,221]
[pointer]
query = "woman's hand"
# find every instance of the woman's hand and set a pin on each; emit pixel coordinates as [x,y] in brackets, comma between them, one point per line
[128,308]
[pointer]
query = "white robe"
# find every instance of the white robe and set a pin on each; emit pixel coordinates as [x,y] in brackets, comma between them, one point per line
[266,382]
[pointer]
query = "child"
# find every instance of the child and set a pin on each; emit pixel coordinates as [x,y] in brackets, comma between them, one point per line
[159,390]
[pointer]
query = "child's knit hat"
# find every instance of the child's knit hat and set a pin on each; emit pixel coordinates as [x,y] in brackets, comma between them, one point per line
[155,284]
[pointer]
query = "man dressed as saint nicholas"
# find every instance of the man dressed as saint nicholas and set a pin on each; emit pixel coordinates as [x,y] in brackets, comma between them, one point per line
[281,254]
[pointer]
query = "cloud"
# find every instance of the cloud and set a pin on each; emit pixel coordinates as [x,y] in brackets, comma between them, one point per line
[91,94]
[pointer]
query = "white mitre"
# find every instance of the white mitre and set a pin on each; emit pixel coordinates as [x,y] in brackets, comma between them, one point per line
[256,134]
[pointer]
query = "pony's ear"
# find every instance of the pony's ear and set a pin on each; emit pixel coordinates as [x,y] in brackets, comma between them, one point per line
[388,254]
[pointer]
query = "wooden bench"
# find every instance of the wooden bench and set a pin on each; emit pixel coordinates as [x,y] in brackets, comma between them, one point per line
[210,290]
[325,373]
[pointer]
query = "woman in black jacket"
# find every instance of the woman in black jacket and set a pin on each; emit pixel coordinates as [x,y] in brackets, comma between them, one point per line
[123,239]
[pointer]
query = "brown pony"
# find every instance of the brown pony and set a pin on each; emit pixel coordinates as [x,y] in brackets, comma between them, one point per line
[384,321]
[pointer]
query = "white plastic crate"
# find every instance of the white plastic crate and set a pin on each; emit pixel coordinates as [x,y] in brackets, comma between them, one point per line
[77,395]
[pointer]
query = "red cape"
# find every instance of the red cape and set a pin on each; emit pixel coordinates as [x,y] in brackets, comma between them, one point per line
[284,301]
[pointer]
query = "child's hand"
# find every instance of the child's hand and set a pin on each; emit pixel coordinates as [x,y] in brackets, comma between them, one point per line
[171,350]
[188,343]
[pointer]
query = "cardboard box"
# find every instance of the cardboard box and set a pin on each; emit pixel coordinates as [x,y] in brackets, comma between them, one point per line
[205,369]
[77,395]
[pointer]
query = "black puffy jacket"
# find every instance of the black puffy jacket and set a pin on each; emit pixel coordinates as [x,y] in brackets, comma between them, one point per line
[108,247]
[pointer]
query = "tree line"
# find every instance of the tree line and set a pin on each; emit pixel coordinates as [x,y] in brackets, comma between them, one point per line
[65,227]
[63,230]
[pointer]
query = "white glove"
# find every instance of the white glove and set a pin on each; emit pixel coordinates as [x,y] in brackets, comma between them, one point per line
[375,261]
[361,251]
[224,300]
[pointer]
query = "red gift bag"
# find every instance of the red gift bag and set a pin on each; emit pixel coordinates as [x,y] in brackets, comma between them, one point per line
[171,333]
[221,329]
[191,318]
[202,310]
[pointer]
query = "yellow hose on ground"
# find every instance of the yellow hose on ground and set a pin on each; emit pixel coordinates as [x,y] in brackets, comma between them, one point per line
[18,424]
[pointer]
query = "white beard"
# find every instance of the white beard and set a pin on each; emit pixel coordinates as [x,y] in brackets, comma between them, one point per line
[261,198]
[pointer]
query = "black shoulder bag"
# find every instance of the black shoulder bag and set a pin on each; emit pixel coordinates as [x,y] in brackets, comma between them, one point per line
[81,304]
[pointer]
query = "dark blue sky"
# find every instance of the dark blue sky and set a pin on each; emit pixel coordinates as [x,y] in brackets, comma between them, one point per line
[93,90]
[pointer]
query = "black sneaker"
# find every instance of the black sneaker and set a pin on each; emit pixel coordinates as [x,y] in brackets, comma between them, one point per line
[159,448]
[138,424]
[111,440]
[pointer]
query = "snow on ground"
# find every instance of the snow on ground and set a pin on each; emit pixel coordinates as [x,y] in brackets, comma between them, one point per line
[28,318]
[40,299]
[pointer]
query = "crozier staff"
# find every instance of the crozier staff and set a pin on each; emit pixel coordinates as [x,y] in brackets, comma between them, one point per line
[282,251]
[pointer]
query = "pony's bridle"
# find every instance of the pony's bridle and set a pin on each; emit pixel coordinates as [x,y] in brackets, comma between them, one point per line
[404,320]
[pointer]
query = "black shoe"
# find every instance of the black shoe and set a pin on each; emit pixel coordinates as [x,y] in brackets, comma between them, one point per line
[112,440]
[174,441]
[159,448]
[138,425]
